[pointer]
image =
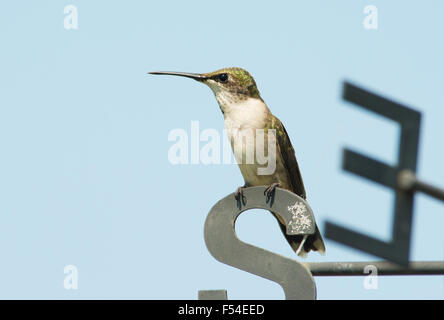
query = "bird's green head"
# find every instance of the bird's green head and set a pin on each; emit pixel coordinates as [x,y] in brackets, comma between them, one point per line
[230,85]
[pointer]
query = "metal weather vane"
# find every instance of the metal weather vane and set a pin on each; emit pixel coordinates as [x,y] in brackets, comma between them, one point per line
[242,106]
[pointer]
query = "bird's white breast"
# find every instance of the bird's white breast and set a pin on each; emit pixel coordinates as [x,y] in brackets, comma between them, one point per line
[248,114]
[240,120]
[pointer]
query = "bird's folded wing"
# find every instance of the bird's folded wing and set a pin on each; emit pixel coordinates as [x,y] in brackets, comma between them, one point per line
[286,150]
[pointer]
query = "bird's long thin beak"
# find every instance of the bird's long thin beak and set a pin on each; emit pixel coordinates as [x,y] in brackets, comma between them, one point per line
[195,76]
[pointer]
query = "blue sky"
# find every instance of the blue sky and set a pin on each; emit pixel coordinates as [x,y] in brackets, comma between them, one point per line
[84,173]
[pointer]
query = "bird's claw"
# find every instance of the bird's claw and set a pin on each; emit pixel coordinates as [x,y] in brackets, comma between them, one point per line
[239,196]
[269,192]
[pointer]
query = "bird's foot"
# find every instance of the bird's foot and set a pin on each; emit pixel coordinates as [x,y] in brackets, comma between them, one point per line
[239,196]
[269,192]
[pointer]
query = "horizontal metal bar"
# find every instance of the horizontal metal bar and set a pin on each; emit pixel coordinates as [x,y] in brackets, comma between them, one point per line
[391,251]
[371,169]
[408,181]
[378,104]
[384,268]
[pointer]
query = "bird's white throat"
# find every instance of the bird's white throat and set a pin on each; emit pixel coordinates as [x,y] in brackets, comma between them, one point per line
[246,114]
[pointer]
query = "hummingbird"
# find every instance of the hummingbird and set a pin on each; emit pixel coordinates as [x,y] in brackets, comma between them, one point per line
[244,110]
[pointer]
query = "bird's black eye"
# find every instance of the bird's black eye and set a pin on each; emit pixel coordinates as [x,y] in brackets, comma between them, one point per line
[223,77]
